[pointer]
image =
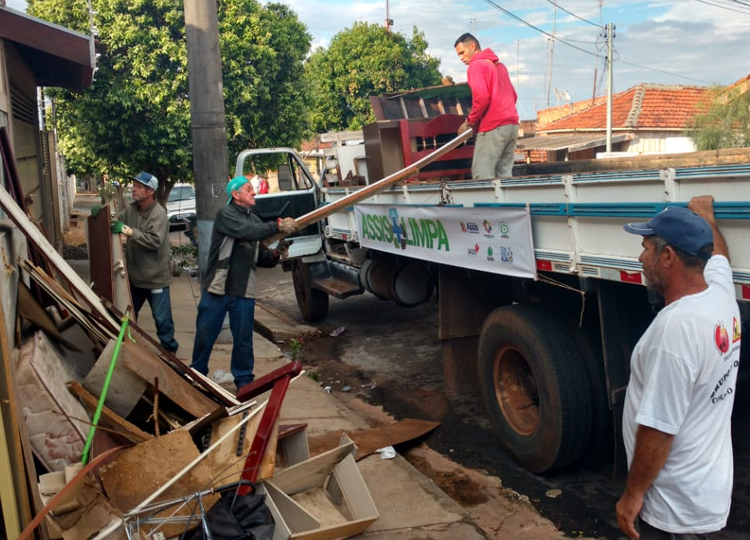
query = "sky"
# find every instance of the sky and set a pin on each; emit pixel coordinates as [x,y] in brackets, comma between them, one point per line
[685,42]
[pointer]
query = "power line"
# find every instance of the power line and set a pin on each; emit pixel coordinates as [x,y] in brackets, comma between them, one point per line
[664,71]
[727,7]
[573,14]
[519,19]
[739,2]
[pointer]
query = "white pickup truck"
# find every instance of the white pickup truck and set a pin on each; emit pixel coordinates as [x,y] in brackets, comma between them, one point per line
[540,291]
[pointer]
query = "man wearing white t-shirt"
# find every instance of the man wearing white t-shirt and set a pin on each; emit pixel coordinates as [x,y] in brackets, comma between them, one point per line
[678,407]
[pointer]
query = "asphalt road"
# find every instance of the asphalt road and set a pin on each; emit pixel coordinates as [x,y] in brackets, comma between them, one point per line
[390,356]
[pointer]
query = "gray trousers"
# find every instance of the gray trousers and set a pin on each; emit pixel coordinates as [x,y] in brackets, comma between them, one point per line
[494,153]
[652,533]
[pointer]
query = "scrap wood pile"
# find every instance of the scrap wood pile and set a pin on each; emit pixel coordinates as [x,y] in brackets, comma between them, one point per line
[113,436]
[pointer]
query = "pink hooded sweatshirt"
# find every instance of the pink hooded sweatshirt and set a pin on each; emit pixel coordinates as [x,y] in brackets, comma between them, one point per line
[493,98]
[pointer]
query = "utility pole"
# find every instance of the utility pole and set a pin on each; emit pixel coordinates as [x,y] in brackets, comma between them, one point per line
[388,20]
[610,35]
[206,117]
[552,48]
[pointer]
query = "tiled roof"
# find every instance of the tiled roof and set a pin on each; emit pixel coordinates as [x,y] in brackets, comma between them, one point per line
[646,106]
[311,145]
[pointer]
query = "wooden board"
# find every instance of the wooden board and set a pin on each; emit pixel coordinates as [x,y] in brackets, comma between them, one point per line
[370,440]
[146,365]
[14,498]
[125,387]
[99,240]
[225,464]
[367,192]
[107,267]
[31,310]
[137,472]
[221,395]
[36,238]
[77,311]
[109,419]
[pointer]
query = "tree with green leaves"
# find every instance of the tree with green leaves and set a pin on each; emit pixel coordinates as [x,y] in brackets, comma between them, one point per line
[136,115]
[724,122]
[363,61]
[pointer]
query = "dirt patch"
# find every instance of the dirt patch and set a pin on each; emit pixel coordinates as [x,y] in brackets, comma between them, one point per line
[456,485]
[320,356]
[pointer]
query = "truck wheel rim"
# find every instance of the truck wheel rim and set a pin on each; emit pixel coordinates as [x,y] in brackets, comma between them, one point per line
[516,391]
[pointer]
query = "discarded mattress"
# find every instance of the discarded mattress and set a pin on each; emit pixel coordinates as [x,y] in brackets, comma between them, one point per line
[51,413]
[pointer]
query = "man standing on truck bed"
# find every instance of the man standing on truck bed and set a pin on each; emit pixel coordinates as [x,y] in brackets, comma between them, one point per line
[678,406]
[493,116]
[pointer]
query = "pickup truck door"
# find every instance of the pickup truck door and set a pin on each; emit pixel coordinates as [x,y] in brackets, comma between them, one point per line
[293,193]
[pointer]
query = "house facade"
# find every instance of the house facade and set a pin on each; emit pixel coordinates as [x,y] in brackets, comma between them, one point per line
[647,118]
[33,54]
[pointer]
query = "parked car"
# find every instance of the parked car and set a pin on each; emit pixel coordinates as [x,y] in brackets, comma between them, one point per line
[181,205]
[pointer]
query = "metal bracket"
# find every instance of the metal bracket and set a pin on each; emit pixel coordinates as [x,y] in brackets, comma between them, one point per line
[243,432]
[445,194]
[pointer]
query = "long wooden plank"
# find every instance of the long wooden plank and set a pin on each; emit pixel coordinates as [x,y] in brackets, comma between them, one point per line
[149,367]
[76,310]
[37,239]
[211,387]
[109,418]
[14,495]
[367,192]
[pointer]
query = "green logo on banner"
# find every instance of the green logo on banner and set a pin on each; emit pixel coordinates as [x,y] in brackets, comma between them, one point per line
[424,233]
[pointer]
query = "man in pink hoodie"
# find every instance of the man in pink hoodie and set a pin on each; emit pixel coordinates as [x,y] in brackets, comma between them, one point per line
[493,116]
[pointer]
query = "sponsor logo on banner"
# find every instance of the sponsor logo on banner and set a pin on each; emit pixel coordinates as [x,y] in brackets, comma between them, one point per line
[393,229]
[473,251]
[469,227]
[504,229]
[506,254]
[487,229]
[721,338]
[490,254]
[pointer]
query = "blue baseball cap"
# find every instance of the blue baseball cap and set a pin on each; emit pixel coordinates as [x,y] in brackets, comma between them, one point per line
[147,179]
[234,184]
[679,226]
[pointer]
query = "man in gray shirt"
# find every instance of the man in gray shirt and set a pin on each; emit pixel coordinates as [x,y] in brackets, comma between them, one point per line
[145,227]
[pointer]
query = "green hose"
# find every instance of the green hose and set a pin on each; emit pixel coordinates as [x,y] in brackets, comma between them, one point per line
[105,387]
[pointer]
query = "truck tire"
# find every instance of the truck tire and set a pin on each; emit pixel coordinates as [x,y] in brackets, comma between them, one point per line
[312,303]
[535,386]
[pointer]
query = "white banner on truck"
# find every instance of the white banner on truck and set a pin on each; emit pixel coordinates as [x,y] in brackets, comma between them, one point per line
[496,240]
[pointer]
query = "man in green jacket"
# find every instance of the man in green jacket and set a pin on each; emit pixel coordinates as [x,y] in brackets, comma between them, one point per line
[229,284]
[145,227]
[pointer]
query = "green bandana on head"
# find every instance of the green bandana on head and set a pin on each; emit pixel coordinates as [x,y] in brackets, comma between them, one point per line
[234,184]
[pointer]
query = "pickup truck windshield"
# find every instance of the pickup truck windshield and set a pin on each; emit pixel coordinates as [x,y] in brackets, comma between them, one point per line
[181,193]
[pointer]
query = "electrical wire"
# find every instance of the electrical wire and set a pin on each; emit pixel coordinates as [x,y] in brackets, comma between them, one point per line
[727,7]
[519,19]
[664,72]
[573,14]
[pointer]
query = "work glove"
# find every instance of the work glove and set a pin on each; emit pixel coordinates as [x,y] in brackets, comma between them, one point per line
[288,225]
[120,228]
[282,248]
[95,210]
[463,127]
